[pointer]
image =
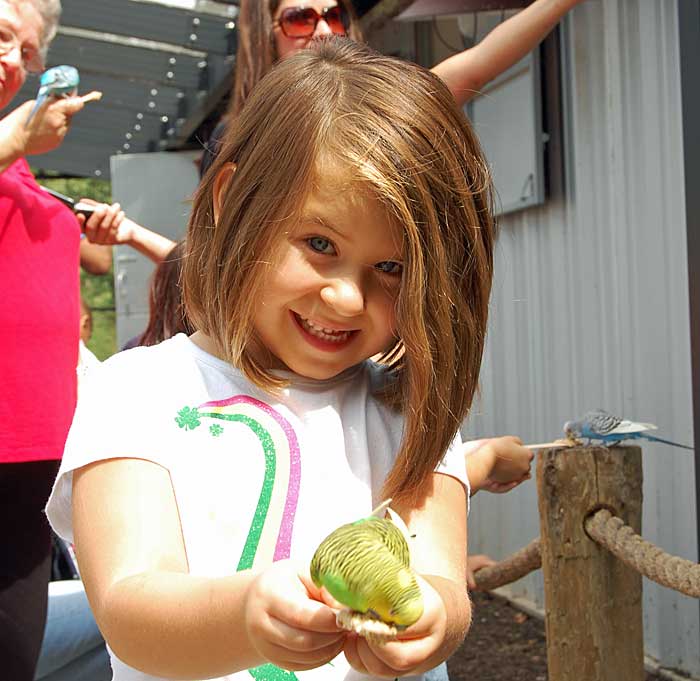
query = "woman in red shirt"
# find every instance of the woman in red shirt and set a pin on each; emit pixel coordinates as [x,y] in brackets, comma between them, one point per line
[39,325]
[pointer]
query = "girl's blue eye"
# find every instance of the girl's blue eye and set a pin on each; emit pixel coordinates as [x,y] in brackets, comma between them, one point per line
[389,267]
[321,245]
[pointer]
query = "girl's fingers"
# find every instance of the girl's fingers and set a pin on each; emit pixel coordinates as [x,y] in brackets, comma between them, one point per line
[394,658]
[298,661]
[397,657]
[108,222]
[352,655]
[369,660]
[94,223]
[310,615]
[303,640]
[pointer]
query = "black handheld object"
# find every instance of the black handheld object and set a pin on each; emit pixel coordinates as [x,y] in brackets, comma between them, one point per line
[77,207]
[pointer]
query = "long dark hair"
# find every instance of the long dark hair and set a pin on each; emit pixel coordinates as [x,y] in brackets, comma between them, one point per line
[167,311]
[256,46]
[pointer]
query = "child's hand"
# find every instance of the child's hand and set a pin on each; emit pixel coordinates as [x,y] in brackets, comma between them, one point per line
[511,464]
[287,624]
[413,647]
[108,225]
[498,464]
[474,564]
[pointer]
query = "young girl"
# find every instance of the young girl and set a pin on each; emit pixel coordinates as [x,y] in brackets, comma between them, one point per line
[358,223]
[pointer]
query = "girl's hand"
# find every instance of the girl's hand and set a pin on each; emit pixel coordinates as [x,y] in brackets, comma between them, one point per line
[474,564]
[107,226]
[497,464]
[413,647]
[286,622]
[511,464]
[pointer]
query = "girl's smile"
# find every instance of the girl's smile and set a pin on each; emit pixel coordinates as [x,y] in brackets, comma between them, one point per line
[323,336]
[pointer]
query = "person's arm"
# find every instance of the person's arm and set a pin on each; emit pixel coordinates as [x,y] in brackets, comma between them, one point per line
[497,464]
[94,258]
[467,72]
[168,623]
[44,133]
[109,227]
[438,554]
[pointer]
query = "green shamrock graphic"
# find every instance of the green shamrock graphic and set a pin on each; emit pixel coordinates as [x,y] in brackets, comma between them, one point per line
[188,418]
[268,672]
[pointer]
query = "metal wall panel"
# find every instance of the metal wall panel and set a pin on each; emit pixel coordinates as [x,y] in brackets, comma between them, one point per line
[590,303]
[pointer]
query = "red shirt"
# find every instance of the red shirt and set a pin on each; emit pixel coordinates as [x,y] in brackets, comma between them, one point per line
[39,318]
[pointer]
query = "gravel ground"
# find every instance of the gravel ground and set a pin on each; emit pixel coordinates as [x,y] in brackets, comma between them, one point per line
[504,644]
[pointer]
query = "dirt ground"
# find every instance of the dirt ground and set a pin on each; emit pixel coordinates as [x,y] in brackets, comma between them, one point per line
[504,644]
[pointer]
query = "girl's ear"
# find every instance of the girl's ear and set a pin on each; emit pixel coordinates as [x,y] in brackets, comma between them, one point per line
[221,183]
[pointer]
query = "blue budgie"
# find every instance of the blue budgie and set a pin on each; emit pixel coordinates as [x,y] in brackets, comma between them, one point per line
[59,81]
[608,429]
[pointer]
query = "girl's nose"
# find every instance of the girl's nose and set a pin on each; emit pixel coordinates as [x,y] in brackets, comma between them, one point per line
[322,29]
[344,296]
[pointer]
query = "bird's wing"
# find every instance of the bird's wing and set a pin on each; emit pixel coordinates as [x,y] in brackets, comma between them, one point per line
[627,426]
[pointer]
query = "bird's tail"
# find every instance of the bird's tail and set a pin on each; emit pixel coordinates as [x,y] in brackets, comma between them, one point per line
[666,442]
[39,101]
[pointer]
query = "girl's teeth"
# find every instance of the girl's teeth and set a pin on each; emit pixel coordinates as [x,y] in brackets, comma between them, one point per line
[323,333]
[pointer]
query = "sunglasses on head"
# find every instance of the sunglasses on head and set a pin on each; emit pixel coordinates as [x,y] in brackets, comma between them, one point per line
[300,22]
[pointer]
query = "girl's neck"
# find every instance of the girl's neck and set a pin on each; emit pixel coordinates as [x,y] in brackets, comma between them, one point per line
[204,342]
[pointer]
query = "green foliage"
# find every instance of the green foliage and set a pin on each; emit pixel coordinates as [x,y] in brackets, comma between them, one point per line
[79,187]
[97,290]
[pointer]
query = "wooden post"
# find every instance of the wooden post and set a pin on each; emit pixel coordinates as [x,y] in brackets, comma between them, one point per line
[593,602]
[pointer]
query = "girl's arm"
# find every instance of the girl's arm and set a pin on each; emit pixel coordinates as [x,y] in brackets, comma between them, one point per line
[438,554]
[467,72]
[108,226]
[158,618]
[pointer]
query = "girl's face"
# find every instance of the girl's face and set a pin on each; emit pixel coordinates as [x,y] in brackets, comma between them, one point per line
[329,297]
[21,27]
[285,43]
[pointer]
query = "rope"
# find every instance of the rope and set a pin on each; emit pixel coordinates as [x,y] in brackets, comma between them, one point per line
[654,563]
[514,567]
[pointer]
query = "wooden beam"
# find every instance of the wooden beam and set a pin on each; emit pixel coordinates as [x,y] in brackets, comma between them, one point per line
[383,11]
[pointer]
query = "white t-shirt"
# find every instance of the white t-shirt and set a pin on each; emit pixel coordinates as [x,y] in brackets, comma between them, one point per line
[256,478]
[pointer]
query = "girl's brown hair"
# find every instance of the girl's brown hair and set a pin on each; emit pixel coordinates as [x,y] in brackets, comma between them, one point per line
[167,310]
[256,51]
[396,128]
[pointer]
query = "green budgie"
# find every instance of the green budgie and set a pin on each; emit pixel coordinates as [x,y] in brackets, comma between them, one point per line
[59,81]
[365,565]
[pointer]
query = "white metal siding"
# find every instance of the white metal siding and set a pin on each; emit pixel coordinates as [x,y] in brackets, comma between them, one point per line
[590,303]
